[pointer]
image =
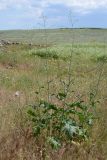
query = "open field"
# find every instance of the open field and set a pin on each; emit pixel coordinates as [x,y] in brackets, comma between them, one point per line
[56,36]
[23,72]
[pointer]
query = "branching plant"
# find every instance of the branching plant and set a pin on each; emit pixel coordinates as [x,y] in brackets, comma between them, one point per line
[68,120]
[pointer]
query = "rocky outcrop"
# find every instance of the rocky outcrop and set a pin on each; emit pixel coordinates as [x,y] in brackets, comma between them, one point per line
[6,42]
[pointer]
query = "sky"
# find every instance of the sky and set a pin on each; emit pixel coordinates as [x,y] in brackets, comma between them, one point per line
[31,14]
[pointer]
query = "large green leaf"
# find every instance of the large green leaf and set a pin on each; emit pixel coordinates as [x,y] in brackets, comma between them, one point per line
[70,129]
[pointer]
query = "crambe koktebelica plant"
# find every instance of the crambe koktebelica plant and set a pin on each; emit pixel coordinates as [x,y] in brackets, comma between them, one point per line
[66,121]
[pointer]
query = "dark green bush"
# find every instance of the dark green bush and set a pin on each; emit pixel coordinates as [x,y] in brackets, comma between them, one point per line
[46,54]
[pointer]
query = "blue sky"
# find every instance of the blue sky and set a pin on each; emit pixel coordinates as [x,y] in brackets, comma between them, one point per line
[28,14]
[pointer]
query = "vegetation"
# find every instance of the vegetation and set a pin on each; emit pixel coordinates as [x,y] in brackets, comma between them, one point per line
[62,124]
[68,122]
[56,36]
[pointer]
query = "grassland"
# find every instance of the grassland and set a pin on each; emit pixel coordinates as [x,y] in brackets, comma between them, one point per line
[22,70]
[56,36]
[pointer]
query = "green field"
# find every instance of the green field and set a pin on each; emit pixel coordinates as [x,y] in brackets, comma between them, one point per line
[23,71]
[56,36]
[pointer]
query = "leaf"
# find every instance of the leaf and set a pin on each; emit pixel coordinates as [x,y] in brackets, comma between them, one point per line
[70,129]
[31,112]
[34,119]
[82,133]
[61,96]
[81,116]
[48,106]
[52,106]
[73,111]
[90,122]
[36,130]
[55,143]
[77,104]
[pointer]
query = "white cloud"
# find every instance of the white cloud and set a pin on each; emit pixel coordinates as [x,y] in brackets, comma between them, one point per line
[38,6]
[82,6]
[29,6]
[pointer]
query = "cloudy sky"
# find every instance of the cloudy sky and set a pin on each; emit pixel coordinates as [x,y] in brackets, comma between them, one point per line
[26,14]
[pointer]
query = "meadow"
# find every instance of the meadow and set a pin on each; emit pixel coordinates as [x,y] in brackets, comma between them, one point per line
[24,69]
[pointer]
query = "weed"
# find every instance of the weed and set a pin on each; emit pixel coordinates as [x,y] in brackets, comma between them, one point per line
[102,58]
[45,54]
[68,123]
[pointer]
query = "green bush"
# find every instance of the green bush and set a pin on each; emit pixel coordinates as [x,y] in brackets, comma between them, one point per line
[62,124]
[102,58]
[45,54]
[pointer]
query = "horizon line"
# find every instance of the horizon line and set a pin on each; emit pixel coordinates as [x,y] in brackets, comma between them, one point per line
[53,28]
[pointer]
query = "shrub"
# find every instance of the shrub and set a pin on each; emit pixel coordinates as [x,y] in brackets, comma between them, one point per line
[62,124]
[45,54]
[102,58]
